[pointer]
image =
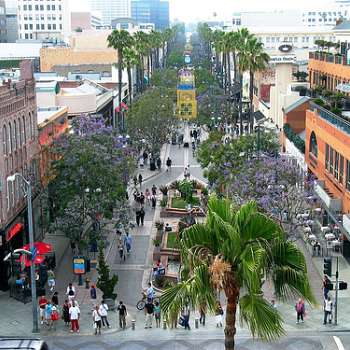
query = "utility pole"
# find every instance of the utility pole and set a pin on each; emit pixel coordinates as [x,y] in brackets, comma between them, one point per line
[336,293]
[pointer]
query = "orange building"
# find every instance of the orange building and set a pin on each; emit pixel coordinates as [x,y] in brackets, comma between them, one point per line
[52,122]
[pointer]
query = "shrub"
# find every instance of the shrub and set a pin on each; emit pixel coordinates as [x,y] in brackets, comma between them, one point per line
[293,137]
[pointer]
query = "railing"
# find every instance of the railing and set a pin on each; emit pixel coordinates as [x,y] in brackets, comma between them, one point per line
[339,122]
[328,57]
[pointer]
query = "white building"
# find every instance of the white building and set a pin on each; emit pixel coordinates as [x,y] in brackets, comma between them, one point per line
[44,19]
[111,9]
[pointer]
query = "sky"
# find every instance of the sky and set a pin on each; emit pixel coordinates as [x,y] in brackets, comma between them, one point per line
[196,10]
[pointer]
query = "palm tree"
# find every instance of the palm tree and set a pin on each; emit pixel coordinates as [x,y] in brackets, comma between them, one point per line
[120,40]
[130,60]
[233,46]
[141,48]
[233,251]
[256,60]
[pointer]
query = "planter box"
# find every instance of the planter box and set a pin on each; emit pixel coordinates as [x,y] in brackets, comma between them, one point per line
[156,254]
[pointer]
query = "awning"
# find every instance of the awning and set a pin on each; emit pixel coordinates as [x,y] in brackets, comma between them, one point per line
[26,261]
[41,248]
[258,116]
[123,106]
[343,87]
[13,231]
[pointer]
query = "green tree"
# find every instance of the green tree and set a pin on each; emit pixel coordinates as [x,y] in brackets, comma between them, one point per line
[151,118]
[120,40]
[141,46]
[232,252]
[130,60]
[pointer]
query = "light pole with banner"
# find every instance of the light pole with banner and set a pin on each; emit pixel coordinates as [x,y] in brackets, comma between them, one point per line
[28,192]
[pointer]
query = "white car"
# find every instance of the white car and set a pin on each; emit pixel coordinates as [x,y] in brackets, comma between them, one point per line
[12,343]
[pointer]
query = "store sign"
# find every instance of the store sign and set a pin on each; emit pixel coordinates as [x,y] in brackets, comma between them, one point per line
[79,265]
[283,59]
[285,48]
[13,231]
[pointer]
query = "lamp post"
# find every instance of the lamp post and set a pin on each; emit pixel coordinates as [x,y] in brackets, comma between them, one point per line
[28,192]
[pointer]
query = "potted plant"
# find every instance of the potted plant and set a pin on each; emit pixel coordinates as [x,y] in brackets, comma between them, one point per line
[105,282]
[164,190]
[156,251]
[160,228]
[163,203]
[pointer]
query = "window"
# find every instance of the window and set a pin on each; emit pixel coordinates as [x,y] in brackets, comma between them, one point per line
[4,140]
[313,145]
[41,7]
[37,26]
[19,133]
[48,7]
[29,7]
[15,135]
[24,130]
[49,26]
[341,169]
[24,7]
[348,175]
[327,157]
[53,7]
[26,36]
[26,26]
[42,26]
[9,136]
[331,160]
[54,26]
[336,165]
[36,7]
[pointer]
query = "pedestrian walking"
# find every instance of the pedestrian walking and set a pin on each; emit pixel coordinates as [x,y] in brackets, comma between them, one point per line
[54,299]
[96,317]
[103,310]
[142,199]
[150,293]
[154,190]
[134,179]
[157,314]
[140,180]
[187,173]
[202,313]
[141,162]
[149,312]
[218,314]
[159,163]
[122,315]
[121,250]
[326,283]
[42,307]
[328,308]
[73,247]
[148,196]
[48,312]
[70,292]
[74,315]
[128,242]
[186,317]
[65,313]
[93,296]
[300,309]
[51,280]
[54,317]
[168,164]
[142,215]
[145,157]
[154,201]
[138,217]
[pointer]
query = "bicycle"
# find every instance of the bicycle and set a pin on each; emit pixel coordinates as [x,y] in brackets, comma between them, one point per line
[140,305]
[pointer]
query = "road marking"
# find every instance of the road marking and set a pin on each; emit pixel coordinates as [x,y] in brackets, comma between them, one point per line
[338,343]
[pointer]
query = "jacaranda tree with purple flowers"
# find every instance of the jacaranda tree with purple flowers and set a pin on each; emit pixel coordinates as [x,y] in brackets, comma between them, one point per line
[277,186]
[89,176]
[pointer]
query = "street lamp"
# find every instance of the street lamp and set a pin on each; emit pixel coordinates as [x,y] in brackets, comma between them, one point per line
[28,192]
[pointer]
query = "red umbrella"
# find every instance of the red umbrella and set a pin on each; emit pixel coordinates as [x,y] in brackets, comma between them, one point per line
[41,248]
[37,261]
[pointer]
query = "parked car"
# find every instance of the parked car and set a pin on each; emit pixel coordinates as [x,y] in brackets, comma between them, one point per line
[12,343]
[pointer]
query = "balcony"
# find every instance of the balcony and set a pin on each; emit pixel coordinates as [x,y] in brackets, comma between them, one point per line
[346,222]
[333,204]
[339,122]
[328,57]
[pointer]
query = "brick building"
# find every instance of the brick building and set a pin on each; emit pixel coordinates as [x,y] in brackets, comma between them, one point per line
[18,153]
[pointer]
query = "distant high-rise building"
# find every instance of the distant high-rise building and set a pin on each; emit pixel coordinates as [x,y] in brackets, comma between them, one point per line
[111,9]
[43,20]
[151,11]
[3,36]
[11,20]
[85,20]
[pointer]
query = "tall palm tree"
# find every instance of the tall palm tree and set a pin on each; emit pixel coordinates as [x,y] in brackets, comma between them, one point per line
[256,60]
[130,60]
[120,40]
[232,252]
[233,46]
[141,46]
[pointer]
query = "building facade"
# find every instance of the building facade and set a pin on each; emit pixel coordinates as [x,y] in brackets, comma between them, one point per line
[3,30]
[19,151]
[11,21]
[151,11]
[43,20]
[111,9]
[84,21]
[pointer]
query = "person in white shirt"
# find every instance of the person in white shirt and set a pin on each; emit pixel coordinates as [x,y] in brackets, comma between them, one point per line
[96,317]
[328,308]
[150,292]
[74,314]
[103,309]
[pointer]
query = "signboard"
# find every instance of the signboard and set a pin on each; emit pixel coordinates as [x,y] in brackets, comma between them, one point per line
[285,48]
[79,265]
[13,231]
[187,59]
[283,59]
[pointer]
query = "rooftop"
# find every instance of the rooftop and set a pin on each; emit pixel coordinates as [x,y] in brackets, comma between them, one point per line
[20,50]
[46,114]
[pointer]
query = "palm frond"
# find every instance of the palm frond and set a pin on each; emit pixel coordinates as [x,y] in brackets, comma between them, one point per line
[263,320]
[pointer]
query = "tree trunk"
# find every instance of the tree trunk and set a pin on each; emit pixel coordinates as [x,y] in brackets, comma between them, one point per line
[120,78]
[224,64]
[222,69]
[149,60]
[229,68]
[130,84]
[234,66]
[251,93]
[241,103]
[231,289]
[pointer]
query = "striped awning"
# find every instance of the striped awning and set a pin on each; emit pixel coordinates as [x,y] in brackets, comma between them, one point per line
[343,88]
